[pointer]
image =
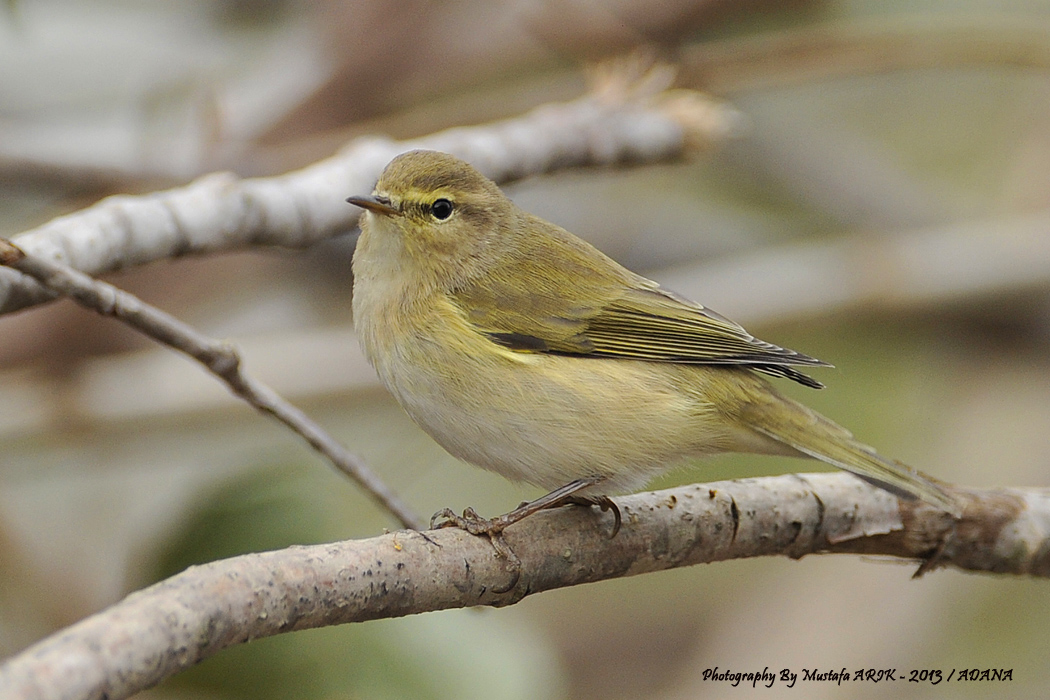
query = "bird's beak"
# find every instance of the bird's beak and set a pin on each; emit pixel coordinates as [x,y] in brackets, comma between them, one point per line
[375,204]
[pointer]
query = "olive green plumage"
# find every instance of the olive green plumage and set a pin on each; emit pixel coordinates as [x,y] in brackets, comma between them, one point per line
[525,350]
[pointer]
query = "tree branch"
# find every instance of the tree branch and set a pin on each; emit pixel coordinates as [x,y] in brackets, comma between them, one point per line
[176,623]
[629,117]
[218,357]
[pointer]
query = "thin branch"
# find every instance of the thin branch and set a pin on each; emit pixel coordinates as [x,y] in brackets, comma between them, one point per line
[176,623]
[220,358]
[221,212]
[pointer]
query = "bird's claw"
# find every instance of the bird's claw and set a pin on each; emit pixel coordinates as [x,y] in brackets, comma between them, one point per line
[470,521]
[492,528]
[604,503]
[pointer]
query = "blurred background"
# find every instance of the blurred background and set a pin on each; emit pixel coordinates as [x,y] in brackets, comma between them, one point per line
[888,210]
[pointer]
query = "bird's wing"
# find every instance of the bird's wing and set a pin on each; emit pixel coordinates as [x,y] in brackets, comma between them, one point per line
[630,317]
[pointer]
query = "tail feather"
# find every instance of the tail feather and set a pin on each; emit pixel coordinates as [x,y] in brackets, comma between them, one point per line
[814,435]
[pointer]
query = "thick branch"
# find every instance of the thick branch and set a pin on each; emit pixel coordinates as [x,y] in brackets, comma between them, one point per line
[174,624]
[632,122]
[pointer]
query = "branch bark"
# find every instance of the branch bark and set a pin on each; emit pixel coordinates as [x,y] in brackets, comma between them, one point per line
[176,623]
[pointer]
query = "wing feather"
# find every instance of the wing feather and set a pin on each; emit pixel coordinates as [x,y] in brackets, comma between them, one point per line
[621,315]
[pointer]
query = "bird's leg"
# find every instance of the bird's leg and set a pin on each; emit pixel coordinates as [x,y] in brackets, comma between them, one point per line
[494,527]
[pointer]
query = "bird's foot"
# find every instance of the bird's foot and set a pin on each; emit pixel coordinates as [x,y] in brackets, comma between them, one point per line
[476,525]
[493,527]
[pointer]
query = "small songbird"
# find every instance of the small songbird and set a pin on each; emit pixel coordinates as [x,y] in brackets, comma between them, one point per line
[524,350]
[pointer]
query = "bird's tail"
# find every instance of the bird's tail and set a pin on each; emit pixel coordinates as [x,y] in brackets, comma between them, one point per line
[803,429]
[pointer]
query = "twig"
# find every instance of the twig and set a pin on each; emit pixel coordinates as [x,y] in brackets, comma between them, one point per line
[222,212]
[174,624]
[221,358]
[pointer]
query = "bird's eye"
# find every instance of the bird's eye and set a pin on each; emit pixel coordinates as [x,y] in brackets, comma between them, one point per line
[441,209]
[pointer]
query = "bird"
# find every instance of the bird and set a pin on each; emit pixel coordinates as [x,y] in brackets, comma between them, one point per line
[524,350]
